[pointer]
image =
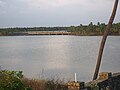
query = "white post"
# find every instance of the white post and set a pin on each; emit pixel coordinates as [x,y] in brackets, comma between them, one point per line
[75,78]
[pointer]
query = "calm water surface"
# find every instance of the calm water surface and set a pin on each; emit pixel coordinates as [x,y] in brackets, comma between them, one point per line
[58,56]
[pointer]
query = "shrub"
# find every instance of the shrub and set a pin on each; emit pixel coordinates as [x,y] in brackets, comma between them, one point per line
[35,84]
[11,80]
[55,85]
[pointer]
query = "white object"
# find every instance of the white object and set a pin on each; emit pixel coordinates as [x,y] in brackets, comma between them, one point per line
[75,78]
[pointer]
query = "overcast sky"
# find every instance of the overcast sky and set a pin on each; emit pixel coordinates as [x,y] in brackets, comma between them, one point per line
[25,13]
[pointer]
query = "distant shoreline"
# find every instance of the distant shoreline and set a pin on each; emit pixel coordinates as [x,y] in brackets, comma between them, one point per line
[80,30]
[50,33]
[56,33]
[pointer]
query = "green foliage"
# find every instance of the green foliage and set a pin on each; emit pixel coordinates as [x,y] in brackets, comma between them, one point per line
[90,29]
[11,80]
[94,87]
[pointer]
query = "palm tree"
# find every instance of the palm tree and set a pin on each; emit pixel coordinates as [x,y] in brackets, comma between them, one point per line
[104,40]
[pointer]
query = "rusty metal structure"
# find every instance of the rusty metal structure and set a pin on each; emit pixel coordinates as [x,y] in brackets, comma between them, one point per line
[106,32]
[105,81]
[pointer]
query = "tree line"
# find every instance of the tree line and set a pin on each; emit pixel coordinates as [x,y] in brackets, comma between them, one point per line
[93,29]
[90,29]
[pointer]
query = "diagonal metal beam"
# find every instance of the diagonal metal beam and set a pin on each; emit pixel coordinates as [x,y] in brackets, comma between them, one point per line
[106,32]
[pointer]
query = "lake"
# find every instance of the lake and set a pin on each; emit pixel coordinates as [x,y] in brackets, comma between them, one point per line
[58,56]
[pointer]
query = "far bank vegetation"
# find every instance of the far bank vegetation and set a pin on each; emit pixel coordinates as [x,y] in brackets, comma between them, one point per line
[82,30]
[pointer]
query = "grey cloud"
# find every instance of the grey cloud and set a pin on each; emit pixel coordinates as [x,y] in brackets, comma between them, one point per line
[56,13]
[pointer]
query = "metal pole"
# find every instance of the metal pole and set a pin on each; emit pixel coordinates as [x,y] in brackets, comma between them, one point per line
[104,40]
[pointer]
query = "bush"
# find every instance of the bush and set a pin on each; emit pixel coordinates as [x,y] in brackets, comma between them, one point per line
[35,84]
[55,85]
[11,80]
[51,84]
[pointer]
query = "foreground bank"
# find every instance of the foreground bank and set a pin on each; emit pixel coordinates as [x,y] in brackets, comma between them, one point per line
[14,80]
